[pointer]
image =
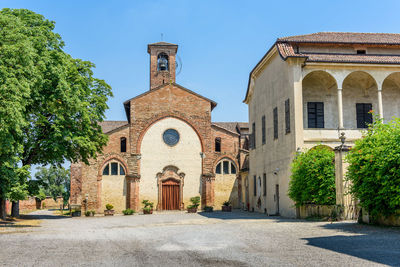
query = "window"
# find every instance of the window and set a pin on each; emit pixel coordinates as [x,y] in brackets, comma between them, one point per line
[218,169]
[255,185]
[364,117]
[106,170]
[171,137]
[259,186]
[121,170]
[233,169]
[264,184]
[287,116]
[217,144]
[226,167]
[315,111]
[114,166]
[123,144]
[263,129]
[275,123]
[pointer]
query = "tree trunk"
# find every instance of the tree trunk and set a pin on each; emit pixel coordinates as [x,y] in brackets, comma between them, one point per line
[15,209]
[2,208]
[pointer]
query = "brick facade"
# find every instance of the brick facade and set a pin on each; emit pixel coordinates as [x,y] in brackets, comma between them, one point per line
[165,99]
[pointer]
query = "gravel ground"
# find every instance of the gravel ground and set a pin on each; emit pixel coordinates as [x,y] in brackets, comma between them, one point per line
[205,239]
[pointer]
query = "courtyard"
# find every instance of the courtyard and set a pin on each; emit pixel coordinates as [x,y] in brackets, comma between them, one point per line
[203,239]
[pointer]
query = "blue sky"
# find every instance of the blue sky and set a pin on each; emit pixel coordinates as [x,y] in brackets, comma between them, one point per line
[219,41]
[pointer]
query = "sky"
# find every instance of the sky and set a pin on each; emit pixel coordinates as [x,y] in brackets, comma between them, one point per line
[220,41]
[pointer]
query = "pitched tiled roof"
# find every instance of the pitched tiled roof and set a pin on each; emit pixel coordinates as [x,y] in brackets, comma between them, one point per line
[108,126]
[161,43]
[345,37]
[229,126]
[213,104]
[286,48]
[243,124]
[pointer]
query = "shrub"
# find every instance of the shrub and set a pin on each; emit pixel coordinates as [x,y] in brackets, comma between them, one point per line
[90,212]
[109,207]
[128,212]
[313,177]
[374,168]
[148,206]
[195,202]
[208,209]
[226,203]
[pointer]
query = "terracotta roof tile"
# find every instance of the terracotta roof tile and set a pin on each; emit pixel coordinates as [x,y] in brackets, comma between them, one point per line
[344,37]
[108,126]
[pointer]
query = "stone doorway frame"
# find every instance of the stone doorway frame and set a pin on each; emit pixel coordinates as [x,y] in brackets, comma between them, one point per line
[170,172]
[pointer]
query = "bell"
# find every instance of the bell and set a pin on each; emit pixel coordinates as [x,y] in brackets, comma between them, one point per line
[163,64]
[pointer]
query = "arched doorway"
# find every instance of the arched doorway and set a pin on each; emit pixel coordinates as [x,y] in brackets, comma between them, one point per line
[170,189]
[170,194]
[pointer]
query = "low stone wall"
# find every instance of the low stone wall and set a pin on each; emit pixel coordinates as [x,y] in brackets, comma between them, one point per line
[31,204]
[393,220]
[311,210]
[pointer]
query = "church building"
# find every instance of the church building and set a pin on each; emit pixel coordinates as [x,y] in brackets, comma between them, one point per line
[166,151]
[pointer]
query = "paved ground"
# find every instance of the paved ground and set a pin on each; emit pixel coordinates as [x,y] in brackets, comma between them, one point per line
[205,239]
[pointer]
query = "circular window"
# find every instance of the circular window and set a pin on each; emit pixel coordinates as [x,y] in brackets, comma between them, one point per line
[171,137]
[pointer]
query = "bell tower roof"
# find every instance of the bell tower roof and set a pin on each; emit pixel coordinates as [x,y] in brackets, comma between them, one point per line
[162,63]
[149,46]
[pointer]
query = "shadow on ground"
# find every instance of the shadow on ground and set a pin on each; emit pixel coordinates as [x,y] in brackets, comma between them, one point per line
[373,243]
[240,215]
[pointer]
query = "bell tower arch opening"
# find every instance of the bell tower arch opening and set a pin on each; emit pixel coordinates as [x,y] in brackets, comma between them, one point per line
[162,63]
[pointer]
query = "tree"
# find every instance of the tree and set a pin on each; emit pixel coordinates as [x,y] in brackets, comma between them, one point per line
[313,177]
[64,103]
[55,181]
[374,168]
[17,69]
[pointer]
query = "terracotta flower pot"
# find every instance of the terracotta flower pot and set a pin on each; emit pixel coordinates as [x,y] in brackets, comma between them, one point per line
[192,210]
[148,211]
[108,212]
[227,208]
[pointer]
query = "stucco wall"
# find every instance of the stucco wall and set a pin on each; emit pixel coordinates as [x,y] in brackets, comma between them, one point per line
[226,189]
[156,155]
[272,87]
[114,192]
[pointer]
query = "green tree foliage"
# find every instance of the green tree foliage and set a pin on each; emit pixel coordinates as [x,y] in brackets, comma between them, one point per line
[313,177]
[55,181]
[50,104]
[16,73]
[374,168]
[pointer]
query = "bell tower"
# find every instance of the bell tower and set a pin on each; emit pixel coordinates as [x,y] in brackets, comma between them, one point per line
[162,63]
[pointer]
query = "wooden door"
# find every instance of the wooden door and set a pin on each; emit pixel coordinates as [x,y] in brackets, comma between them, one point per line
[170,195]
[277,198]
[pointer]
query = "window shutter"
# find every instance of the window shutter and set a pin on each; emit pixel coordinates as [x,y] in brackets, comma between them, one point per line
[264,184]
[315,115]
[287,116]
[320,115]
[368,116]
[263,128]
[363,116]
[255,185]
[275,123]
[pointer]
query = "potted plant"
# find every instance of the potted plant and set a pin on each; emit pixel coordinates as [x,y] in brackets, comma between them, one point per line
[109,210]
[148,207]
[208,209]
[226,206]
[90,213]
[75,210]
[195,203]
[128,212]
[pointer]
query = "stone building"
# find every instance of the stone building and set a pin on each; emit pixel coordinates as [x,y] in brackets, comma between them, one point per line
[167,150]
[307,90]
